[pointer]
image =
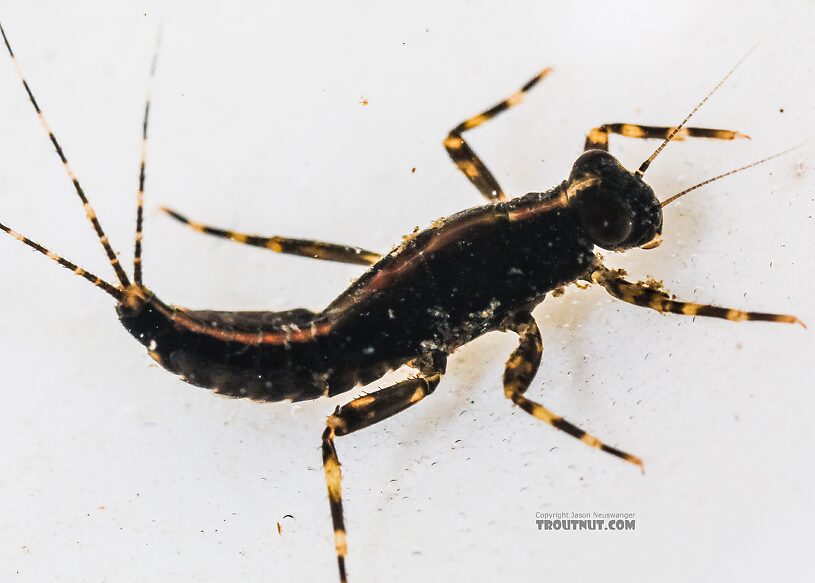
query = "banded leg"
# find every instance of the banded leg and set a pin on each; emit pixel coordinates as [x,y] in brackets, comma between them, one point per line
[521,369]
[464,156]
[360,413]
[640,294]
[597,139]
[302,247]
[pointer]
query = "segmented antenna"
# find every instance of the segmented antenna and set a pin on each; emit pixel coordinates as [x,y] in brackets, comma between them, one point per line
[137,260]
[121,276]
[669,200]
[675,130]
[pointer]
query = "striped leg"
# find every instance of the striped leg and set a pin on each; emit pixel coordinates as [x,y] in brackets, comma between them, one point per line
[597,139]
[360,413]
[520,370]
[464,156]
[640,294]
[303,247]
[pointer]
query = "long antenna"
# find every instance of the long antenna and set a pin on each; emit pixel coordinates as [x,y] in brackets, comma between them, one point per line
[137,261]
[675,130]
[668,201]
[121,276]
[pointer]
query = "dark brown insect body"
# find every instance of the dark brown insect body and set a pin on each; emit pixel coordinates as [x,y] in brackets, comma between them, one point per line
[439,289]
[480,270]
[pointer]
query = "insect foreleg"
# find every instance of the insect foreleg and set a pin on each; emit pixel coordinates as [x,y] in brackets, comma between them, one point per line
[640,294]
[520,370]
[360,413]
[464,156]
[302,247]
[597,138]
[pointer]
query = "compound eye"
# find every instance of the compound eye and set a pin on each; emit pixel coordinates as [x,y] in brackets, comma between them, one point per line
[606,221]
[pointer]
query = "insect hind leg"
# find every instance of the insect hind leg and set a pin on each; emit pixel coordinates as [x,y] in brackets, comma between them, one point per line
[597,138]
[521,369]
[303,247]
[360,413]
[467,160]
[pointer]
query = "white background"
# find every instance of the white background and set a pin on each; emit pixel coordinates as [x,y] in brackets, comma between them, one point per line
[113,470]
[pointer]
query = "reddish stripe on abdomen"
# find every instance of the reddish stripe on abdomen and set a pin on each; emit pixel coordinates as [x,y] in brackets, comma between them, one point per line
[290,334]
